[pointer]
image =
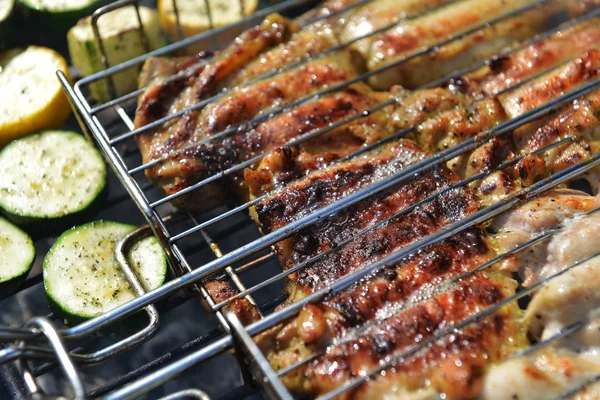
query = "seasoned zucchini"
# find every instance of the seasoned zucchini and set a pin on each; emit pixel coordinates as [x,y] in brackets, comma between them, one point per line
[82,277]
[193,17]
[16,257]
[49,175]
[32,98]
[57,16]
[121,39]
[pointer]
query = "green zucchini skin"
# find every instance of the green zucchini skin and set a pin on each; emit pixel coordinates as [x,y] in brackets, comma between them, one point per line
[55,22]
[10,234]
[48,223]
[82,278]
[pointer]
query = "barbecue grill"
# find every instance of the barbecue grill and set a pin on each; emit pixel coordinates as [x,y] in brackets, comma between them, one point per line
[224,243]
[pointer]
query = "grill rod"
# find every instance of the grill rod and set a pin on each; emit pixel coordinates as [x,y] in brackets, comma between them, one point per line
[353,383]
[313,134]
[279,71]
[401,133]
[119,100]
[332,89]
[442,287]
[275,236]
[303,138]
[383,222]
[166,373]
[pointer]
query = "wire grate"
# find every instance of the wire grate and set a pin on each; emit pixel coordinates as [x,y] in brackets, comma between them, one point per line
[177,231]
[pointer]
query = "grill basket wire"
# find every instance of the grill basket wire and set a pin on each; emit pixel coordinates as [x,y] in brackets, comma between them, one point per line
[99,120]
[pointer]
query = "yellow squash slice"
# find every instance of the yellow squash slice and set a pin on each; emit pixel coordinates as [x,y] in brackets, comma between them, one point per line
[32,97]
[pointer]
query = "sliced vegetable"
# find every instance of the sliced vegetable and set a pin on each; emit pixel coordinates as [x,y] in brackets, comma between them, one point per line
[194,18]
[8,11]
[82,277]
[121,39]
[57,16]
[49,175]
[16,257]
[32,98]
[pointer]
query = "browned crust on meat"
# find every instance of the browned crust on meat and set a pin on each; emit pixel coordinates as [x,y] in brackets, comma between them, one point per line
[540,56]
[321,188]
[469,349]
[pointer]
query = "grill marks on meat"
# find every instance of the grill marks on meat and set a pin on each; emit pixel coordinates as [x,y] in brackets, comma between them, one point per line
[191,163]
[288,164]
[393,285]
[552,85]
[376,15]
[324,187]
[536,58]
[383,314]
[406,303]
[408,38]
[578,119]
[328,185]
[452,366]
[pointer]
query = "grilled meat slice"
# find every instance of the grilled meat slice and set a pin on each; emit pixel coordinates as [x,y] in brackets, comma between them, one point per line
[325,186]
[452,366]
[285,165]
[200,81]
[544,375]
[577,119]
[535,217]
[454,126]
[393,290]
[378,14]
[454,19]
[166,95]
[568,299]
[189,162]
[547,53]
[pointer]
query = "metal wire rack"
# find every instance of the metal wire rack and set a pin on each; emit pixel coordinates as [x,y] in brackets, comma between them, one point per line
[234,255]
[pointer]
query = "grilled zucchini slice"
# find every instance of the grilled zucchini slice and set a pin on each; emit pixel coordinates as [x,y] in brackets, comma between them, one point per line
[121,39]
[17,254]
[193,16]
[32,98]
[48,176]
[82,277]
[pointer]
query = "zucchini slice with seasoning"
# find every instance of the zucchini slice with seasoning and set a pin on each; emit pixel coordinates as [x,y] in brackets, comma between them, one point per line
[17,254]
[57,16]
[8,28]
[82,277]
[31,96]
[121,39]
[49,176]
